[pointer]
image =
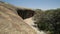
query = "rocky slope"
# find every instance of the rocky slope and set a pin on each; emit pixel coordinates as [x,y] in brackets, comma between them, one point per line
[11,22]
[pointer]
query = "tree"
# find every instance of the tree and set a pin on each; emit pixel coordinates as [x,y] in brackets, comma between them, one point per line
[49,21]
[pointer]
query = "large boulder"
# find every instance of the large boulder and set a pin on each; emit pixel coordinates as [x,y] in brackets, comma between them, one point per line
[11,22]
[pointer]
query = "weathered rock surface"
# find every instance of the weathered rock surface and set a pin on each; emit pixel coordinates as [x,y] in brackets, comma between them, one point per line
[11,22]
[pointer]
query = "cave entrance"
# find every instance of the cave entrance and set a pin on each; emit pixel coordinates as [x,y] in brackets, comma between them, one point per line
[25,13]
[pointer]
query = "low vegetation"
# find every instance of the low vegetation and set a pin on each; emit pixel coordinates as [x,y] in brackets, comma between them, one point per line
[48,21]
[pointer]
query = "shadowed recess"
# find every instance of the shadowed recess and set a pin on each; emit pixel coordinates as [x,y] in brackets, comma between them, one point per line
[25,13]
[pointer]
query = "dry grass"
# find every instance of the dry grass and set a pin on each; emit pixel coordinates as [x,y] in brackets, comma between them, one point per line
[11,23]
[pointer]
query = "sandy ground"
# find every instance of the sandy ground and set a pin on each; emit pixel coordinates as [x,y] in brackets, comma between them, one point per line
[31,22]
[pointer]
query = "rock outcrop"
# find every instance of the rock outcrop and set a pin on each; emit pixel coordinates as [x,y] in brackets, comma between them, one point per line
[11,22]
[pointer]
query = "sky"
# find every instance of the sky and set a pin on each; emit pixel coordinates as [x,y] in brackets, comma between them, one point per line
[36,4]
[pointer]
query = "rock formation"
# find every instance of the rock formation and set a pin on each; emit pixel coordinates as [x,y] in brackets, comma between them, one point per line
[11,21]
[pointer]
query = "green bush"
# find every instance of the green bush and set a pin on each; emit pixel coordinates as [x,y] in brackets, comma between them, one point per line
[49,21]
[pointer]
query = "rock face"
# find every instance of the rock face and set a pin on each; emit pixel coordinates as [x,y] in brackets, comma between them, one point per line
[11,22]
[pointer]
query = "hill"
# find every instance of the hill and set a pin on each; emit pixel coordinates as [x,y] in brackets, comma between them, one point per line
[11,22]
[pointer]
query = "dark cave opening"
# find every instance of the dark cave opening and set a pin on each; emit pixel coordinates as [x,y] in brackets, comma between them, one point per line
[25,13]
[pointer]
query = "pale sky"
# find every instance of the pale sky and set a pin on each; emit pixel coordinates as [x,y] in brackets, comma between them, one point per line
[41,4]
